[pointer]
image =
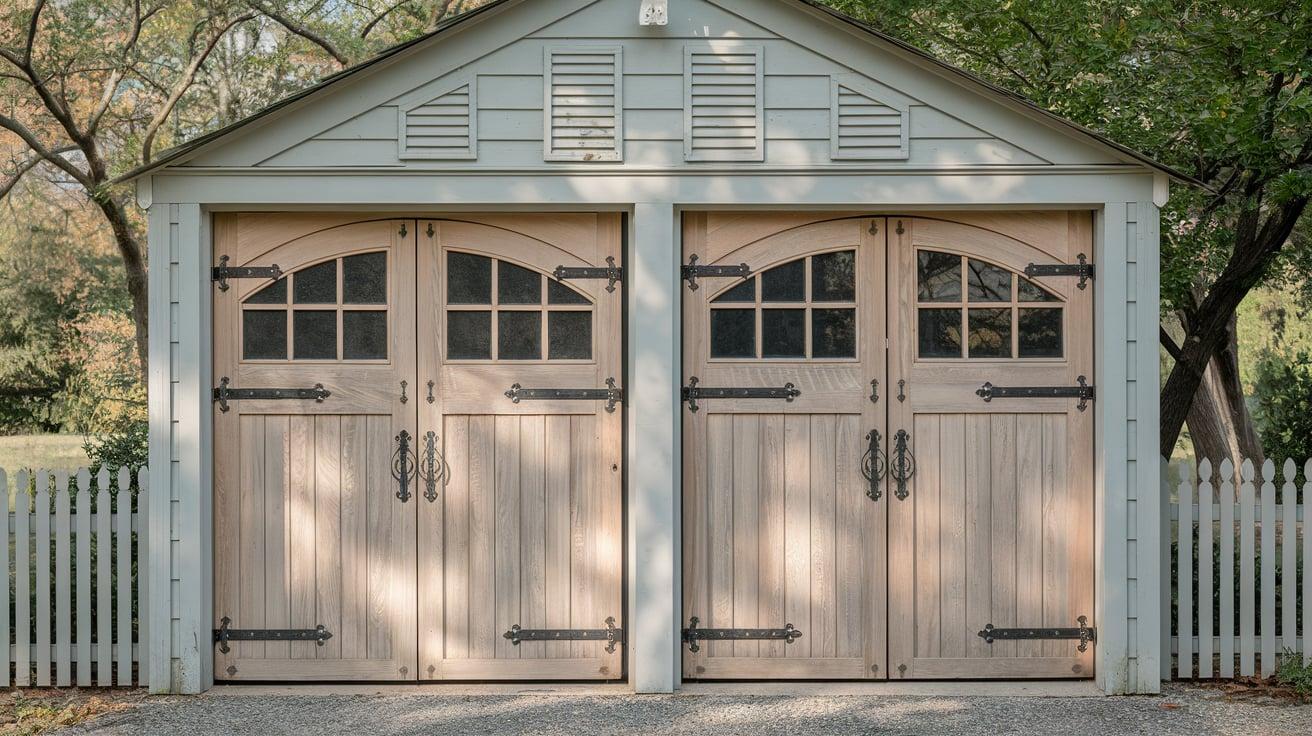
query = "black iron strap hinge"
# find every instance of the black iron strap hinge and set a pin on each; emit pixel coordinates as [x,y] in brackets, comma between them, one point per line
[612,635]
[225,634]
[225,393]
[1084,633]
[612,273]
[1083,269]
[691,635]
[692,270]
[692,393]
[222,272]
[1084,392]
[612,394]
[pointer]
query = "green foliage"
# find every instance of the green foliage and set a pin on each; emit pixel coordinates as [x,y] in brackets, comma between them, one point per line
[1283,392]
[1295,674]
[125,448]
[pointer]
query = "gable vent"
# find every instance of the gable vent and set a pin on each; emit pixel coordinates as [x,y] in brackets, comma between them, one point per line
[583,108]
[443,127]
[865,128]
[723,104]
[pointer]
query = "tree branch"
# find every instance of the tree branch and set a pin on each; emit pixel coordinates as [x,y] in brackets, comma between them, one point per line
[302,31]
[116,75]
[27,165]
[369,27]
[45,153]
[1167,342]
[31,31]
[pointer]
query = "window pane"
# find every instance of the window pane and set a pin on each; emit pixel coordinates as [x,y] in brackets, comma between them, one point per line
[733,333]
[468,279]
[1040,333]
[517,285]
[558,293]
[938,276]
[833,277]
[316,284]
[469,335]
[364,335]
[275,293]
[833,333]
[990,333]
[1028,291]
[364,279]
[569,335]
[783,333]
[264,334]
[786,283]
[314,335]
[939,333]
[988,283]
[744,292]
[519,335]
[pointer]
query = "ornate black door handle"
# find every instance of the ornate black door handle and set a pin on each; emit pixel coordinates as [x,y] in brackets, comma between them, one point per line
[874,464]
[433,468]
[404,468]
[903,464]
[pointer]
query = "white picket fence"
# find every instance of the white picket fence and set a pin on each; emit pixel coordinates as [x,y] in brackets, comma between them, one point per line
[1260,539]
[68,606]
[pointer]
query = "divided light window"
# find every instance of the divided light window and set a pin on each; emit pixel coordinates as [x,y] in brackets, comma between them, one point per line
[583,107]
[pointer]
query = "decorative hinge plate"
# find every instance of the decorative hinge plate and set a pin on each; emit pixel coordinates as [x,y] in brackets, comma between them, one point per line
[612,635]
[225,393]
[692,393]
[691,635]
[612,273]
[1082,633]
[1084,392]
[692,270]
[1084,270]
[222,272]
[225,634]
[612,394]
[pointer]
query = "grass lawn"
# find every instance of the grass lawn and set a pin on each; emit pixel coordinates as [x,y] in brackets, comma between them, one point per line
[49,451]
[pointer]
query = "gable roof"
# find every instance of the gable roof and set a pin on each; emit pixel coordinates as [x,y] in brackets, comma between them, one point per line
[184,150]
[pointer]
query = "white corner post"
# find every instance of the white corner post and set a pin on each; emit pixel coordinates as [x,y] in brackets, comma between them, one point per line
[652,387]
[157,654]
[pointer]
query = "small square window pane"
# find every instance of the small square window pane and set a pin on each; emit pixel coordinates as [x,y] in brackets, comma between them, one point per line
[783,333]
[987,283]
[314,335]
[558,293]
[939,333]
[316,284]
[519,335]
[744,292]
[833,333]
[264,334]
[733,333]
[569,335]
[469,335]
[468,279]
[516,285]
[364,335]
[833,277]
[938,276]
[990,333]
[364,279]
[1040,333]
[786,283]
[275,293]
[1028,291]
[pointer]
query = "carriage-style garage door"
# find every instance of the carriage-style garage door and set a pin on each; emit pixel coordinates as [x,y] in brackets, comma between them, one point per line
[415,494]
[854,507]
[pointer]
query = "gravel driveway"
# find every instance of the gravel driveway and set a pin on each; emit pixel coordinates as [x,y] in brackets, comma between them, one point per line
[1181,710]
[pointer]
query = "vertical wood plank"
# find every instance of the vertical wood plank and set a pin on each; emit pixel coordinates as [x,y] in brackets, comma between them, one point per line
[1268,568]
[22,582]
[142,655]
[720,489]
[746,502]
[355,538]
[456,539]
[248,558]
[383,536]
[42,562]
[797,533]
[1205,592]
[104,582]
[1227,569]
[587,505]
[1184,564]
[952,518]
[301,537]
[276,523]
[532,530]
[63,569]
[1056,510]
[772,553]
[979,543]
[1003,531]
[823,526]
[83,572]
[506,532]
[1289,561]
[123,534]
[928,537]
[1247,581]
[851,519]
[482,563]
[327,531]
[6,578]
[1029,528]
[557,530]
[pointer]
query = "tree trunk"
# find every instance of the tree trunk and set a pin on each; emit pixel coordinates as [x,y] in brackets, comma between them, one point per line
[1231,386]
[134,271]
[1210,429]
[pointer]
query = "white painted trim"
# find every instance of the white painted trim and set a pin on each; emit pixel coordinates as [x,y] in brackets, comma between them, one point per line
[720,46]
[403,151]
[615,154]
[564,170]
[159,396]
[1150,502]
[855,83]
[1161,190]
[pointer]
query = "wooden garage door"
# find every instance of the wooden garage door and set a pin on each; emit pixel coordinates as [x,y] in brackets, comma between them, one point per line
[996,526]
[308,528]
[524,528]
[778,524]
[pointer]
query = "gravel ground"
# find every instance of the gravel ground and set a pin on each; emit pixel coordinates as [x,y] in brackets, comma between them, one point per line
[1180,710]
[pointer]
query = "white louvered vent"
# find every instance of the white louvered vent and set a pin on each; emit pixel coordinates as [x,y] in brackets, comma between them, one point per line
[583,109]
[441,128]
[862,127]
[723,91]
